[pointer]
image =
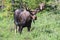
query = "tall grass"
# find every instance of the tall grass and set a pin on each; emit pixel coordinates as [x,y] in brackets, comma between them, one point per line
[46,27]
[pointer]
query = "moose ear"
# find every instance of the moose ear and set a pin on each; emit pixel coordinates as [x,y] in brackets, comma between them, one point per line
[34,20]
[30,11]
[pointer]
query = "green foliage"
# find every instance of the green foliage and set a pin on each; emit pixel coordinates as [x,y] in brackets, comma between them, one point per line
[46,27]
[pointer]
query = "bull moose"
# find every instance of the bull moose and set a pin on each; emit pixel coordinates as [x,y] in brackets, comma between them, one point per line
[23,18]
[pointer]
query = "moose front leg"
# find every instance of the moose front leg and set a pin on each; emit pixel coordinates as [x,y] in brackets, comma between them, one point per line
[29,29]
[29,25]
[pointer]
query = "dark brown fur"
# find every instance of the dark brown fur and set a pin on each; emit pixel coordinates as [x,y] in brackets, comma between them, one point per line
[23,18]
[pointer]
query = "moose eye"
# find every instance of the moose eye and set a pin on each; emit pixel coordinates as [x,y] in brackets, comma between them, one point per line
[33,14]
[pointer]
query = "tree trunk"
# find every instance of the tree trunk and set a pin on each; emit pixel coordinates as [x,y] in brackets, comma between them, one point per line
[21,4]
[13,2]
[2,4]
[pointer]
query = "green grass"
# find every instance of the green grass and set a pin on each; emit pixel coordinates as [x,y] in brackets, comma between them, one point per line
[46,27]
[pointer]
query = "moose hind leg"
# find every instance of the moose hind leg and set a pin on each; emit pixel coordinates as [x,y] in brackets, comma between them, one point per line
[16,29]
[20,29]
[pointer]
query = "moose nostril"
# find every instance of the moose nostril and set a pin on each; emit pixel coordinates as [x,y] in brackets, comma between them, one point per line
[35,18]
